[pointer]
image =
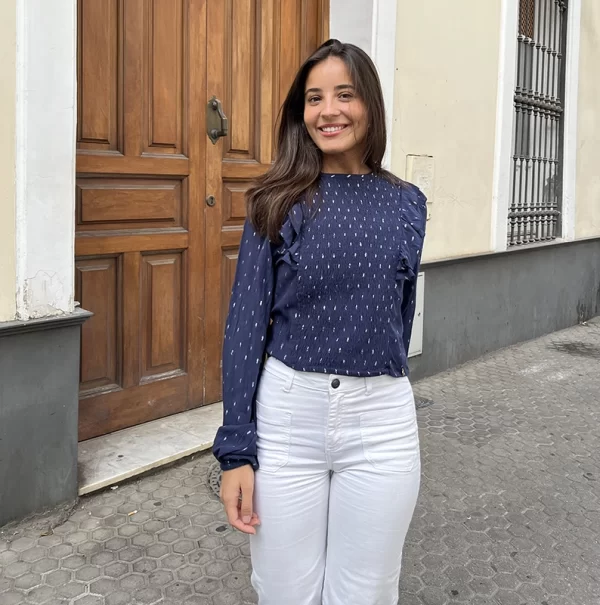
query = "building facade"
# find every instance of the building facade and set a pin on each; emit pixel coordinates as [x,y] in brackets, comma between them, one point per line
[130,131]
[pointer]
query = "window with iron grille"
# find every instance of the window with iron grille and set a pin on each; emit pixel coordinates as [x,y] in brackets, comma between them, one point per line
[536,188]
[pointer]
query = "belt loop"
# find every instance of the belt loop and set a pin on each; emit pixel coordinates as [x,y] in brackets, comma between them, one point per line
[290,380]
[368,385]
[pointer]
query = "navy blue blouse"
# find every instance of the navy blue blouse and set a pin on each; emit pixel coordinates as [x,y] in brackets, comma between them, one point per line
[337,295]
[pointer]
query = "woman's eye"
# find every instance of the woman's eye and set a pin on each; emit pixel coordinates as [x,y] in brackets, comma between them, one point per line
[346,96]
[313,99]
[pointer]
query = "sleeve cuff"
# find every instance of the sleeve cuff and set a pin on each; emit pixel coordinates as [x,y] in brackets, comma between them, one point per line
[235,445]
[229,465]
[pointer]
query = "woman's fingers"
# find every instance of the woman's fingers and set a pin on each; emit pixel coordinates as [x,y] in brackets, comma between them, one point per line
[234,517]
[247,487]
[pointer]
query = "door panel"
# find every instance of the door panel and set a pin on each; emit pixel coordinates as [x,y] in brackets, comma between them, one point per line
[163,308]
[262,42]
[164,44]
[101,280]
[142,203]
[139,232]
[98,77]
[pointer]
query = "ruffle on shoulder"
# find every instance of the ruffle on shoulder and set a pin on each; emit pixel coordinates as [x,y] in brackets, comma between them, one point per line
[414,217]
[404,270]
[290,231]
[414,210]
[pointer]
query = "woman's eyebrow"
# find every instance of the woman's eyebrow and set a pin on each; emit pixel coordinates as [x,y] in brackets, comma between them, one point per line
[338,87]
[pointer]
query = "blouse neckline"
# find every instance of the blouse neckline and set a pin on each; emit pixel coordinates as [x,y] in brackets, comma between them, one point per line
[342,175]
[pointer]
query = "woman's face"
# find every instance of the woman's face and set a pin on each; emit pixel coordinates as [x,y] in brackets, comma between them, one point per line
[335,117]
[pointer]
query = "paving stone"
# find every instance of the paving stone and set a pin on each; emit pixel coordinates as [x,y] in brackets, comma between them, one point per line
[88,573]
[16,569]
[184,546]
[118,598]
[22,544]
[77,537]
[160,577]
[89,600]
[41,594]
[7,557]
[132,582]
[189,573]
[130,553]
[28,581]
[147,595]
[104,586]
[143,540]
[31,555]
[60,551]
[157,550]
[116,544]
[50,540]
[73,562]
[208,586]
[116,569]
[67,527]
[11,598]
[144,566]
[178,591]
[128,531]
[71,590]
[104,557]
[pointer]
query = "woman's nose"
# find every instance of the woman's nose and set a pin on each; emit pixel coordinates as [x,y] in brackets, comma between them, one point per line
[330,108]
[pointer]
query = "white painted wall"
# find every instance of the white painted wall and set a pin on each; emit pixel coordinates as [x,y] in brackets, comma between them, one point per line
[571,143]
[45,156]
[587,195]
[8,50]
[351,21]
[503,151]
[371,25]
[445,109]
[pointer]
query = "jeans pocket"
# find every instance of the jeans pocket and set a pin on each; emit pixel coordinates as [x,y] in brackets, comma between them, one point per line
[273,432]
[390,439]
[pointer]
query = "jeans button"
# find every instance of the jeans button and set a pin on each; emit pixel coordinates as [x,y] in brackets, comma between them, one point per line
[335,383]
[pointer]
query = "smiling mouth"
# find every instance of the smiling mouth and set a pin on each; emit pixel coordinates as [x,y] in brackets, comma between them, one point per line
[333,129]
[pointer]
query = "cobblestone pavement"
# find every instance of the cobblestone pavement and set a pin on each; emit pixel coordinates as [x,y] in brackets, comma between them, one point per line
[509,512]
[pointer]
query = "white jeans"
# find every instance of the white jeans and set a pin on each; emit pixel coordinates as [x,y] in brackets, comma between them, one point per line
[337,487]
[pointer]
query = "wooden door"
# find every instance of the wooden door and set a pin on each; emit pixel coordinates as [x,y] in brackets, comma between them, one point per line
[154,262]
[262,43]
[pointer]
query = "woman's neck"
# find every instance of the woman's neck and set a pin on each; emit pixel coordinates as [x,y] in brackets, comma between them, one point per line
[343,165]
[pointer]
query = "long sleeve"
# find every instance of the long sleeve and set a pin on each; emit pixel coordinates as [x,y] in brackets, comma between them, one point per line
[244,349]
[416,217]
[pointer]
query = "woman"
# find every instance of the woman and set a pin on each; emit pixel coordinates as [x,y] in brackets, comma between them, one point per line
[319,446]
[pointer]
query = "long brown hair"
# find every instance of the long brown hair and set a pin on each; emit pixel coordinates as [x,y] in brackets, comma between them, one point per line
[295,173]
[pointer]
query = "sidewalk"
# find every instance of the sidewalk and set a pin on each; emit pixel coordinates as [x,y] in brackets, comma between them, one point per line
[509,512]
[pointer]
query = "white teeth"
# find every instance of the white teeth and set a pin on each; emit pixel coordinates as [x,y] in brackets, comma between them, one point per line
[332,128]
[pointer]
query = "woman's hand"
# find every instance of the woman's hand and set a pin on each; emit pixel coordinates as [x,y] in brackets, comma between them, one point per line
[240,513]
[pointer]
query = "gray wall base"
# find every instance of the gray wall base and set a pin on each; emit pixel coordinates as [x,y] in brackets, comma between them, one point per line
[475,305]
[39,382]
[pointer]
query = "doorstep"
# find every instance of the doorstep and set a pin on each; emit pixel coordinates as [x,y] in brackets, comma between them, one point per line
[112,458]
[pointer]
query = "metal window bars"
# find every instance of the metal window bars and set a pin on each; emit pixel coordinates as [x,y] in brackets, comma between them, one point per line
[536,188]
